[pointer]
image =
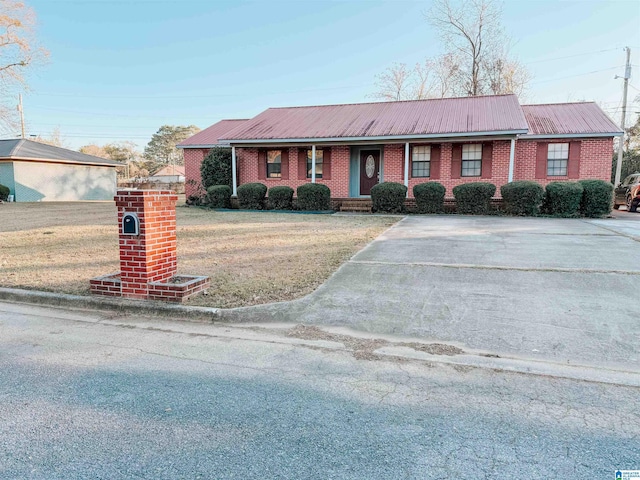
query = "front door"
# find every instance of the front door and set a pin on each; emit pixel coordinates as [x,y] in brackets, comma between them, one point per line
[369,170]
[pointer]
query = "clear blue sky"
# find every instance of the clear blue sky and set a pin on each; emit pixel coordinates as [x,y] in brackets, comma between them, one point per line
[118,70]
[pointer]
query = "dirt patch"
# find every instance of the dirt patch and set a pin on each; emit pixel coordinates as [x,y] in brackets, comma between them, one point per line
[433,348]
[364,348]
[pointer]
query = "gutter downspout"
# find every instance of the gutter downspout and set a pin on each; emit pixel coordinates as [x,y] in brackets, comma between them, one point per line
[233,172]
[512,154]
[313,164]
[406,167]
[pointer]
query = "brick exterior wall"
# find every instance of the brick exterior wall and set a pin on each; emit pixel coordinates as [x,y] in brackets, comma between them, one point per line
[247,159]
[193,158]
[596,155]
[594,163]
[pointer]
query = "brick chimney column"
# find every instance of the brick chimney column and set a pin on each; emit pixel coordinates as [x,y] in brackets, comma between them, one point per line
[149,256]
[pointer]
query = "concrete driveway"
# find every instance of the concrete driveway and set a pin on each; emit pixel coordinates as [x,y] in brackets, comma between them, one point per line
[561,290]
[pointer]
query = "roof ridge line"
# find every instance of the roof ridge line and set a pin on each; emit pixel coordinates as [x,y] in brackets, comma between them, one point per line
[396,101]
[557,103]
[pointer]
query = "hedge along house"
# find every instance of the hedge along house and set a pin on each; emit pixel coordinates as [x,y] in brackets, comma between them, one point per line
[37,172]
[350,148]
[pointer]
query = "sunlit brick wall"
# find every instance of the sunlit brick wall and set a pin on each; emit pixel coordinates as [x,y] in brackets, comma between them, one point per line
[192,160]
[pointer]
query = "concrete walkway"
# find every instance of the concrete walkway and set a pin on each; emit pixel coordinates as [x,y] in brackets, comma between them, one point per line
[561,290]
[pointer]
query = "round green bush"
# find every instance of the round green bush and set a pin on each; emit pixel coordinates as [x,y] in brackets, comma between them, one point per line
[522,197]
[251,196]
[314,197]
[388,197]
[562,199]
[219,196]
[429,197]
[597,198]
[474,198]
[4,192]
[280,198]
[216,167]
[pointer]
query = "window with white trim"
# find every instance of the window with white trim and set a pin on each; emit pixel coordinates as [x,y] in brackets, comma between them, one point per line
[471,160]
[319,158]
[274,163]
[421,161]
[557,159]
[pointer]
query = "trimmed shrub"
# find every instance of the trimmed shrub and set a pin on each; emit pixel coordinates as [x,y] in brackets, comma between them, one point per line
[251,196]
[388,197]
[4,192]
[216,167]
[562,199]
[522,198]
[219,196]
[314,196]
[280,198]
[474,198]
[429,197]
[597,198]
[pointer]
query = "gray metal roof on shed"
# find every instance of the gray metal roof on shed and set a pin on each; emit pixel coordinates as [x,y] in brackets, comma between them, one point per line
[584,119]
[464,116]
[23,149]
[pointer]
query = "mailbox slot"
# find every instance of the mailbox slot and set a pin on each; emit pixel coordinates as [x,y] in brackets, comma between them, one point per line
[130,224]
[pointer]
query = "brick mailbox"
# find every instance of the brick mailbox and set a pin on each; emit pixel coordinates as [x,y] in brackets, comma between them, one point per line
[148,260]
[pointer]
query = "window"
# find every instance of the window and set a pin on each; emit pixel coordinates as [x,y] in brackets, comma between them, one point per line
[421,161]
[557,159]
[319,158]
[274,163]
[471,160]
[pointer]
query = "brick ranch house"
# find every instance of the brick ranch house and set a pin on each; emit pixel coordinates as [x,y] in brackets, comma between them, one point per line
[352,147]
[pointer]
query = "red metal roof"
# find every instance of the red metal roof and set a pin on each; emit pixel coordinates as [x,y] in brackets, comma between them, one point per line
[568,118]
[211,136]
[467,115]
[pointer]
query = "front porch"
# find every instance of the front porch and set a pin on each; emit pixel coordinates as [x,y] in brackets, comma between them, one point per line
[351,170]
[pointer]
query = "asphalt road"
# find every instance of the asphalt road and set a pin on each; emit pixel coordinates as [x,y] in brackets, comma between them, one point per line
[86,395]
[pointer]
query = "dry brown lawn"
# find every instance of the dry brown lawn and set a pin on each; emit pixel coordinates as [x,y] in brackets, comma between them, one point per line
[251,257]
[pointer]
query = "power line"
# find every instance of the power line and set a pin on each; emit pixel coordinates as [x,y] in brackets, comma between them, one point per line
[571,56]
[578,74]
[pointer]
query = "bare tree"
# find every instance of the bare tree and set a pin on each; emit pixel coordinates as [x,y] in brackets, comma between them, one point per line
[18,51]
[55,139]
[393,83]
[476,60]
[471,29]
[432,79]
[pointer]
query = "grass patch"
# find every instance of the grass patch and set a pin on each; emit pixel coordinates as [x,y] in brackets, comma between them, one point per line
[252,258]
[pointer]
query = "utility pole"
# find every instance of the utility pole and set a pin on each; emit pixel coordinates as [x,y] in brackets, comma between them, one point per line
[21,113]
[627,74]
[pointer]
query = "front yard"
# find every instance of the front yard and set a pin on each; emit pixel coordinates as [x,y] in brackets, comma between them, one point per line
[251,257]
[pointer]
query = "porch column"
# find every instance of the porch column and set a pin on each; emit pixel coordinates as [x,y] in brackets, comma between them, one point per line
[233,172]
[406,167]
[313,164]
[512,154]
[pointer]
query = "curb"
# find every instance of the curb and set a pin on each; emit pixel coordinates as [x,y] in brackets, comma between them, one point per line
[143,307]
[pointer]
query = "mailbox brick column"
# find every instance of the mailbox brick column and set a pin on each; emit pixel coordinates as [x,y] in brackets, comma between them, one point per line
[151,255]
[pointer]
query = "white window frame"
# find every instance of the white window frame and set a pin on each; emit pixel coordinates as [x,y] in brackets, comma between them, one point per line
[471,160]
[421,155]
[557,159]
[277,174]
